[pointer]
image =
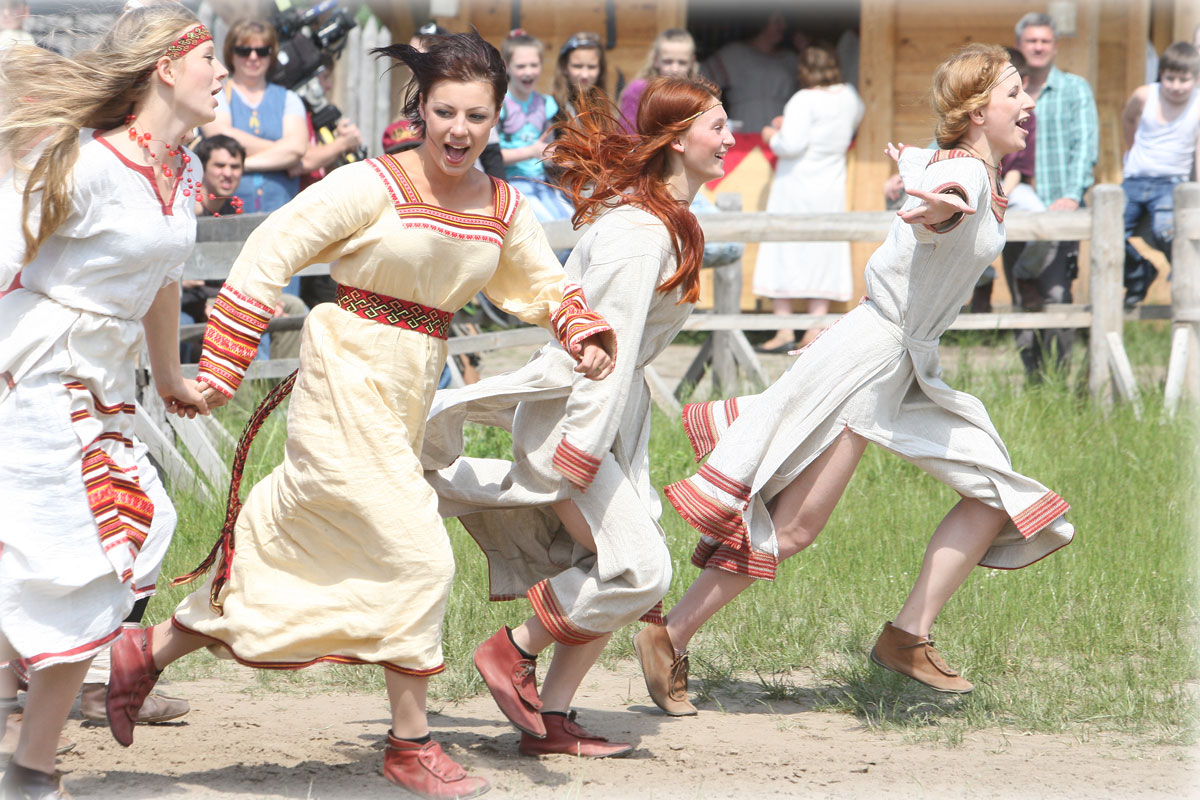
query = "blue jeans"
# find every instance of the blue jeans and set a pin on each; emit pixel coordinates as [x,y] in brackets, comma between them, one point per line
[1154,197]
[548,204]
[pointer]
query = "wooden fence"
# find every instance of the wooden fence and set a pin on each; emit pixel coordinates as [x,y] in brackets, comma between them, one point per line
[730,356]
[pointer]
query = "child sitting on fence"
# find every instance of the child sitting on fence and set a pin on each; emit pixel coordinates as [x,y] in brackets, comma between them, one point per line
[1161,122]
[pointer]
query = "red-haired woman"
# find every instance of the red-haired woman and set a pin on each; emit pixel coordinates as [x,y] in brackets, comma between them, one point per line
[570,522]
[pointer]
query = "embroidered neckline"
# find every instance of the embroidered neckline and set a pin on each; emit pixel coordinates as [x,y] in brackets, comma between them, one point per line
[999,202]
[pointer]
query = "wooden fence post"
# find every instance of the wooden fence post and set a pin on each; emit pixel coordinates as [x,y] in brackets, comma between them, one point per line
[1107,279]
[727,299]
[1185,288]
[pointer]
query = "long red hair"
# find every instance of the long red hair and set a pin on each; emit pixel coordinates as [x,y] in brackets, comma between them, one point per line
[604,166]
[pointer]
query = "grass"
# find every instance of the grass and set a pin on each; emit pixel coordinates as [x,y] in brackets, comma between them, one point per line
[1097,639]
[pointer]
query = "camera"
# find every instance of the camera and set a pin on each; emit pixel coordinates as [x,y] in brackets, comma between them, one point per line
[303,43]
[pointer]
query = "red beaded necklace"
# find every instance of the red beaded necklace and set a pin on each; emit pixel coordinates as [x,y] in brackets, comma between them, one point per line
[181,171]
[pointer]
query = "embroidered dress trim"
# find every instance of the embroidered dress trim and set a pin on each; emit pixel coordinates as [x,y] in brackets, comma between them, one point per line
[956,218]
[235,327]
[546,606]
[121,508]
[707,514]
[1048,508]
[329,659]
[84,651]
[393,311]
[416,212]
[713,555]
[999,201]
[576,466]
[701,427]
[575,321]
[654,616]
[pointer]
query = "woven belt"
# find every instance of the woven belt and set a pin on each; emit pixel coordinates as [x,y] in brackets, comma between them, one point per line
[393,311]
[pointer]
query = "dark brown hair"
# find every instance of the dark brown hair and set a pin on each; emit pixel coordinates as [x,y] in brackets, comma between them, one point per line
[604,166]
[459,57]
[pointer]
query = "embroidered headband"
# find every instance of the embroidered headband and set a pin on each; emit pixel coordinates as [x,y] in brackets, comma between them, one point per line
[700,113]
[185,44]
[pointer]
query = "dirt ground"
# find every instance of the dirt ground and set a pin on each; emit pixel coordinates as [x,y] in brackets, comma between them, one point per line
[243,741]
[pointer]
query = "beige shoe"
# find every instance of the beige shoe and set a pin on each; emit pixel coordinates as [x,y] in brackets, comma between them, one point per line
[915,657]
[666,674]
[12,733]
[157,708]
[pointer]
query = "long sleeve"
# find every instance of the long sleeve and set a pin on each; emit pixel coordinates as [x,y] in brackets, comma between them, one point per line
[624,267]
[316,227]
[12,238]
[793,138]
[530,284]
[1081,172]
[950,173]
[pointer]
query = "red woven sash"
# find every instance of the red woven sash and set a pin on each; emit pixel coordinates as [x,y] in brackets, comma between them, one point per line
[393,311]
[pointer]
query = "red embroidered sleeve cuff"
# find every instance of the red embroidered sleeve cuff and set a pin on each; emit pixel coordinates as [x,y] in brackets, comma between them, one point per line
[574,321]
[576,466]
[235,326]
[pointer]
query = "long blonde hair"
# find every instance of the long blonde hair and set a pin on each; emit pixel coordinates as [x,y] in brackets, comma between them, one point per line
[673,36]
[962,84]
[48,98]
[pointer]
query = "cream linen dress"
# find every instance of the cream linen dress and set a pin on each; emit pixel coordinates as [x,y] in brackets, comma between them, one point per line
[86,520]
[505,505]
[339,554]
[874,372]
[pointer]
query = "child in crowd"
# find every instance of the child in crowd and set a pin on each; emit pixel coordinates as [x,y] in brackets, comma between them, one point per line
[673,55]
[581,64]
[525,127]
[1161,122]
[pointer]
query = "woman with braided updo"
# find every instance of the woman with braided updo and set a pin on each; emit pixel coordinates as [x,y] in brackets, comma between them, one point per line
[781,460]
[98,213]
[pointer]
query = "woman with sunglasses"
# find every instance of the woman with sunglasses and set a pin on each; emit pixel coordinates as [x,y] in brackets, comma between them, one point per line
[265,118]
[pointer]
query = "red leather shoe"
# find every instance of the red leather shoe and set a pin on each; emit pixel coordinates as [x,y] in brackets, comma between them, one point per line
[565,736]
[426,770]
[131,678]
[512,680]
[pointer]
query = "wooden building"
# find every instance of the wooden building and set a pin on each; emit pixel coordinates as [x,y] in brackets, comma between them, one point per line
[901,41]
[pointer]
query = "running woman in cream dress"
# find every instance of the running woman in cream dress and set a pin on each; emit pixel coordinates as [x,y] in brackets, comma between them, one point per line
[571,521]
[339,554]
[781,460]
[98,218]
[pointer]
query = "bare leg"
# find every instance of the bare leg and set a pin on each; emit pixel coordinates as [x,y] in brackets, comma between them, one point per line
[961,539]
[51,694]
[169,643]
[799,513]
[407,693]
[816,305]
[780,306]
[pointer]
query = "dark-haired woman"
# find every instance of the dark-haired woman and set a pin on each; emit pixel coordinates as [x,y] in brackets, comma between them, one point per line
[339,554]
[571,521]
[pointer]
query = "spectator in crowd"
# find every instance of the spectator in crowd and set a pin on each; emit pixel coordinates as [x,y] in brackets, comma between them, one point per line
[524,127]
[1067,147]
[811,140]
[581,64]
[266,119]
[1160,121]
[756,76]
[13,14]
[673,55]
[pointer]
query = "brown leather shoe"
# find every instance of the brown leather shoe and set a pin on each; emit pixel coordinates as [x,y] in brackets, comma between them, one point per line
[12,733]
[157,708]
[425,770]
[914,656]
[666,674]
[512,680]
[130,680]
[567,737]
[23,783]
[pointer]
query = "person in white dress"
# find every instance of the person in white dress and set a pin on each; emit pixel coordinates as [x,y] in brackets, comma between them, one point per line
[784,457]
[98,216]
[571,521]
[811,140]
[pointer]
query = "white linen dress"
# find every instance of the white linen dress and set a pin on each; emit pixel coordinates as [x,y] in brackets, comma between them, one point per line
[874,372]
[86,520]
[505,505]
[818,126]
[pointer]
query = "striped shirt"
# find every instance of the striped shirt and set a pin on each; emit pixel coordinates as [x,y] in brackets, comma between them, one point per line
[1067,137]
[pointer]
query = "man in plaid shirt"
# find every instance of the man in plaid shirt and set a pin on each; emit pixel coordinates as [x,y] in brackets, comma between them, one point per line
[1067,146]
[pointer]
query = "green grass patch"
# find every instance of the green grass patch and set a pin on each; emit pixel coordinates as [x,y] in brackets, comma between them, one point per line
[1098,638]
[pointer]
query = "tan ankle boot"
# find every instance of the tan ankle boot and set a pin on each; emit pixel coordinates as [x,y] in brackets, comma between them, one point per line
[665,672]
[914,656]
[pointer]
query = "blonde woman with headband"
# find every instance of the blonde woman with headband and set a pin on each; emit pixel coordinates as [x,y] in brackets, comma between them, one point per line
[97,217]
[781,460]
